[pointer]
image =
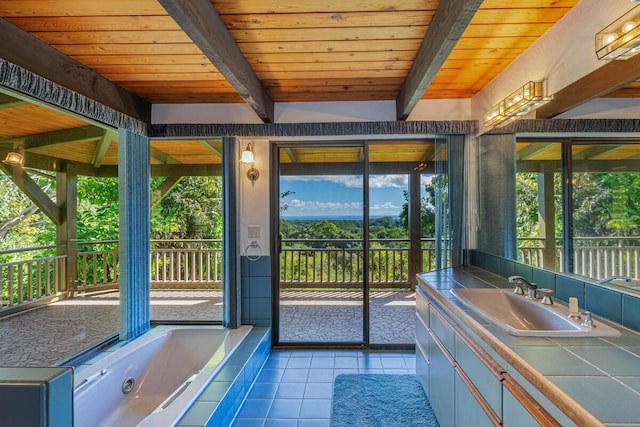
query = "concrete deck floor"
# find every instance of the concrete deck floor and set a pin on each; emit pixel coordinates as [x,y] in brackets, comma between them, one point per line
[51,334]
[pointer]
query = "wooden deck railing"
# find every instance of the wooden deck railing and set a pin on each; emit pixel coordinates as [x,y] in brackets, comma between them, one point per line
[36,274]
[174,263]
[594,257]
[330,263]
[38,278]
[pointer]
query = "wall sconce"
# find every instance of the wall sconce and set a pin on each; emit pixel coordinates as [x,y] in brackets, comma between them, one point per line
[621,39]
[522,101]
[248,158]
[15,158]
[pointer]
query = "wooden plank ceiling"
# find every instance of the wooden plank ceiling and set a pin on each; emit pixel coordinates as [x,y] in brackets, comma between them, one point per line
[299,51]
[333,50]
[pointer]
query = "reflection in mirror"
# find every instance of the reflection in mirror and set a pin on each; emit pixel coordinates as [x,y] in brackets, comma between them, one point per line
[606,211]
[539,204]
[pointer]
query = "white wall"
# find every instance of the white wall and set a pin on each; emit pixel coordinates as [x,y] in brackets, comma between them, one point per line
[311,112]
[203,113]
[605,108]
[254,199]
[442,109]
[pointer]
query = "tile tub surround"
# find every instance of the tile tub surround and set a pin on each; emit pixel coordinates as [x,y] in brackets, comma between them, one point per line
[558,371]
[221,399]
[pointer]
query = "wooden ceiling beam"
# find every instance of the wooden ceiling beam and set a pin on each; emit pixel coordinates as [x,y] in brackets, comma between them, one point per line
[102,147]
[450,21]
[34,55]
[64,136]
[165,188]
[161,157]
[34,192]
[600,82]
[533,149]
[210,147]
[200,21]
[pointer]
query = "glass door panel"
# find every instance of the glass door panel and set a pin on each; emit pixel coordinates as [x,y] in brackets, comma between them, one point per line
[396,190]
[321,282]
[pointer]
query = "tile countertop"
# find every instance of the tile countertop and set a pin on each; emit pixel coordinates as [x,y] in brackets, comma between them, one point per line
[601,375]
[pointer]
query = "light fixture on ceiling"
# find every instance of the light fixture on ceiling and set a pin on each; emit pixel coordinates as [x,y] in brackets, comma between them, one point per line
[524,100]
[248,158]
[620,39]
[15,158]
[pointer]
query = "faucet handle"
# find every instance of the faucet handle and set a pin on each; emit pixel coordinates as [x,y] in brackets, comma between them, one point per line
[518,289]
[546,296]
[588,321]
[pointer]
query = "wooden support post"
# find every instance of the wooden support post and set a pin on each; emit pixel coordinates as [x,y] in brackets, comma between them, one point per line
[546,215]
[415,228]
[134,189]
[67,231]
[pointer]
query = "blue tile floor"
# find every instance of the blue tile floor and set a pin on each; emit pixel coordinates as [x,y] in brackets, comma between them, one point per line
[294,388]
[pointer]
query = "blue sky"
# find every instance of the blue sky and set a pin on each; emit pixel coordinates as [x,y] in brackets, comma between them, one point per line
[341,195]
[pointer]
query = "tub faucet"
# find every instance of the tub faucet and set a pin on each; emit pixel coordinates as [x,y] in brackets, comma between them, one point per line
[520,281]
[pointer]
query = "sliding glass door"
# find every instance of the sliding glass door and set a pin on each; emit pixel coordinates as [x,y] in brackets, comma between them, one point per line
[322,261]
[350,240]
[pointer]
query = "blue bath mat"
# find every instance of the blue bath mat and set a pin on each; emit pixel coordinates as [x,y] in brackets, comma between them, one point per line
[370,400]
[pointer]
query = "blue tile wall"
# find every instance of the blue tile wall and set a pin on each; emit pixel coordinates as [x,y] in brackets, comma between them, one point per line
[567,287]
[604,302]
[523,270]
[631,312]
[616,306]
[507,267]
[543,278]
[256,291]
[221,400]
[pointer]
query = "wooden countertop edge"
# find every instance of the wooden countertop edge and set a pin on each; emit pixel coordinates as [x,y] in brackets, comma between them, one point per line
[564,402]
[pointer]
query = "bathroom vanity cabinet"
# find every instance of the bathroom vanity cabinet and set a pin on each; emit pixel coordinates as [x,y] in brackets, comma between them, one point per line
[471,378]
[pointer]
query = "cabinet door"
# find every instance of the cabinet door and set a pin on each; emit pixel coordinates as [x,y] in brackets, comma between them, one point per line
[483,372]
[441,384]
[422,354]
[468,411]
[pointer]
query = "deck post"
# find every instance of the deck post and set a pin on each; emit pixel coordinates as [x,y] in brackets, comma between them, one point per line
[415,228]
[546,218]
[67,231]
[134,173]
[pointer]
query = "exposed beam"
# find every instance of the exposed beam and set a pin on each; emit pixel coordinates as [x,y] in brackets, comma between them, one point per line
[291,154]
[200,21]
[65,136]
[606,79]
[593,153]
[102,147]
[214,150]
[533,149]
[32,54]
[160,193]
[449,22]
[161,157]
[7,101]
[34,192]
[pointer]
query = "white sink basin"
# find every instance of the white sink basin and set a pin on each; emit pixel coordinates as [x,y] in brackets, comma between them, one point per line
[521,316]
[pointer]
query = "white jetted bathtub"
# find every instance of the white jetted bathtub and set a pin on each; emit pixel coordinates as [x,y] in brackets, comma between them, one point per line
[154,379]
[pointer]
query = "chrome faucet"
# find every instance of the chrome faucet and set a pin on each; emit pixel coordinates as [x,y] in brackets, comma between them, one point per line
[520,281]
